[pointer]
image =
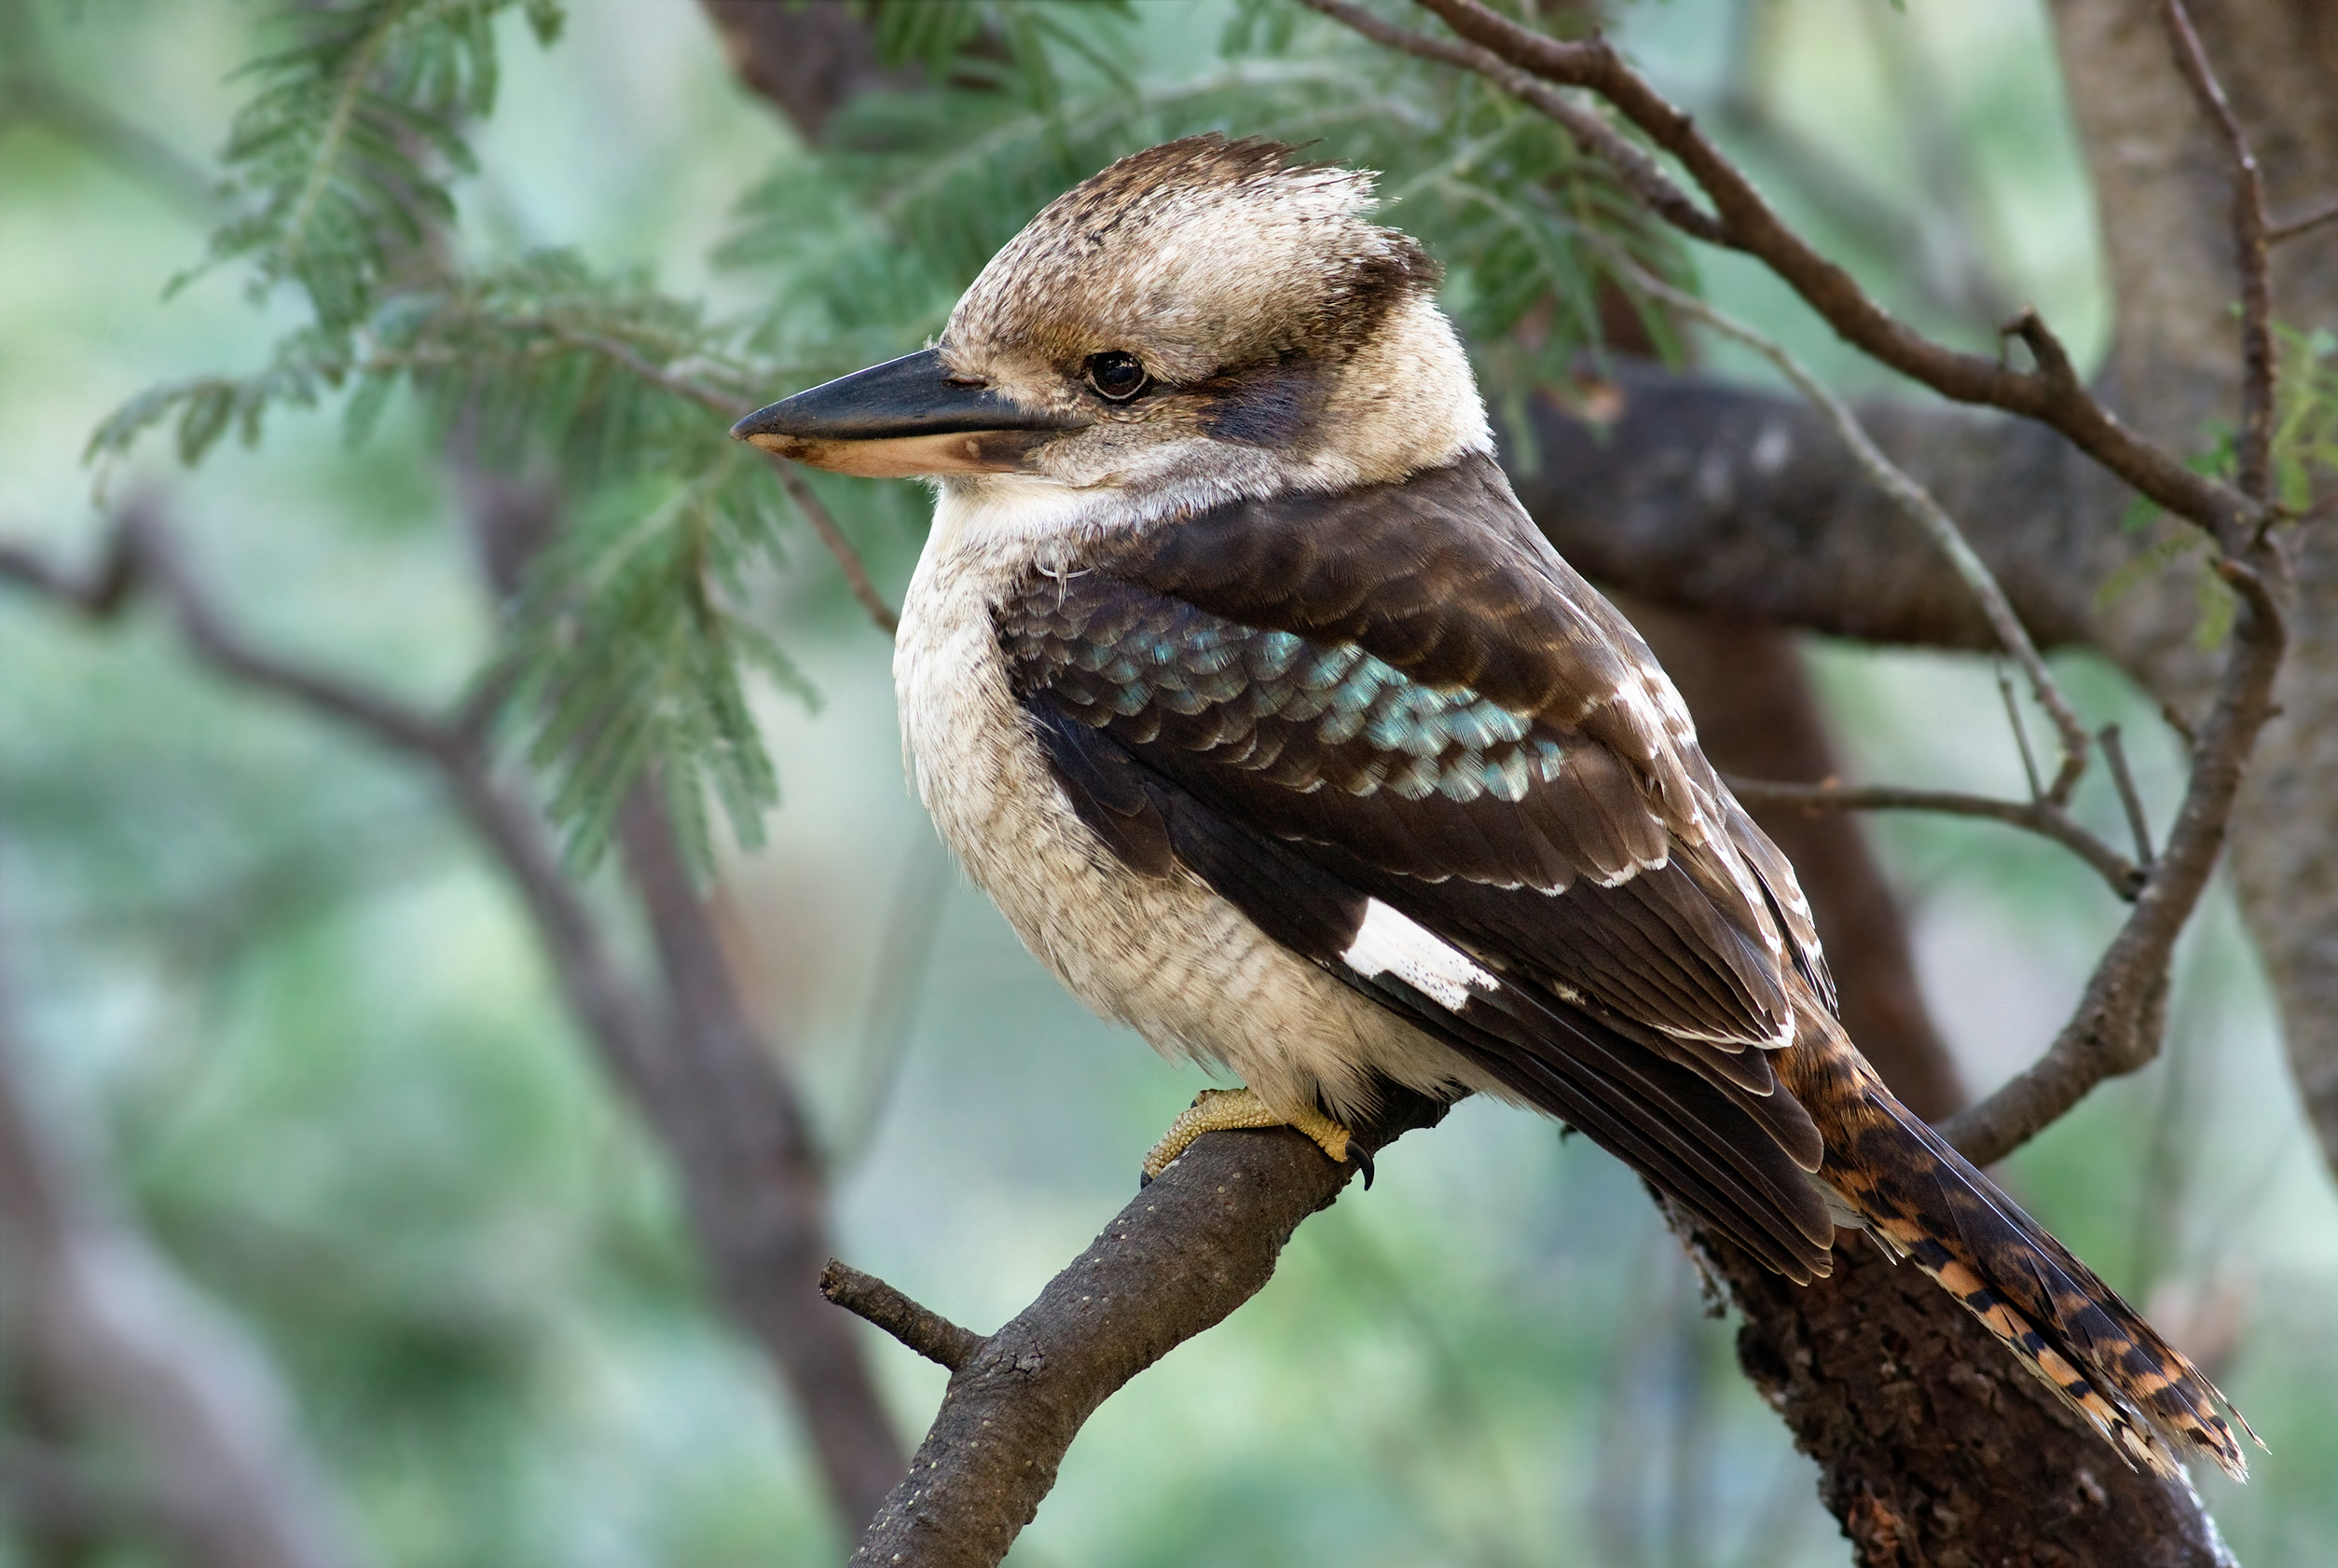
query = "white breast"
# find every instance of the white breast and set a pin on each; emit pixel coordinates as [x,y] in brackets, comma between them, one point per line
[1169,958]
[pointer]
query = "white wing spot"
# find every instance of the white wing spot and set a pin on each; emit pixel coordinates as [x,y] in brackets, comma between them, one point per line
[1389,943]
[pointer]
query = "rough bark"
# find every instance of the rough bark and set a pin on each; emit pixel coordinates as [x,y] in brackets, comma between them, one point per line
[1955,1455]
[1716,500]
[1187,1251]
[2174,367]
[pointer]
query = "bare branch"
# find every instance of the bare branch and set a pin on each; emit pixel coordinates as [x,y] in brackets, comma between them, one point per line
[2041,817]
[132,1349]
[2114,753]
[2115,1027]
[823,523]
[920,1328]
[1914,500]
[2304,223]
[2251,237]
[1188,1250]
[728,1119]
[1640,172]
[2051,392]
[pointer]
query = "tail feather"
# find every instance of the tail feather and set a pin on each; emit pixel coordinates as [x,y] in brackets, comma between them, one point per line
[2092,1349]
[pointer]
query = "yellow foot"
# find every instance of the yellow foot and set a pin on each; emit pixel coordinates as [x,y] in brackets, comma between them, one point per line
[1217,1111]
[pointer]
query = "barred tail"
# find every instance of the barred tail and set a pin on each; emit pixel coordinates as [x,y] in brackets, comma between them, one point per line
[1924,1201]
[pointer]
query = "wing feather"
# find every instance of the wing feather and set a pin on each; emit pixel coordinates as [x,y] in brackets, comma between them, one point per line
[1401,696]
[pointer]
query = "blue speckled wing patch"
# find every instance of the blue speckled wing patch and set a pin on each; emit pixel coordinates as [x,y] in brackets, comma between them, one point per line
[1328,742]
[1261,691]
[1465,812]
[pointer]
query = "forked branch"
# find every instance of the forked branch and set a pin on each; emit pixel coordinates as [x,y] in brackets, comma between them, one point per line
[1914,500]
[683,1052]
[1188,1250]
[2050,392]
[2115,1029]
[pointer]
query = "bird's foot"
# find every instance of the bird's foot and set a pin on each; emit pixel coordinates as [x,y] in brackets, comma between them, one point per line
[1218,1111]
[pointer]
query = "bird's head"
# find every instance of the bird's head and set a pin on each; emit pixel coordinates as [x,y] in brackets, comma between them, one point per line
[1198,321]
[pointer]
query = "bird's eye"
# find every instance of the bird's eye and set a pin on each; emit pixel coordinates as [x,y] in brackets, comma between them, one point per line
[1117,374]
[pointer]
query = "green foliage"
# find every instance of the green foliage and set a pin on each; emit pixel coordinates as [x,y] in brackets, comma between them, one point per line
[1005,47]
[627,652]
[868,245]
[337,157]
[2305,454]
[2305,422]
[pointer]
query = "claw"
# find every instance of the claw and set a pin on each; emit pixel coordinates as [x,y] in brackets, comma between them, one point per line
[1215,1110]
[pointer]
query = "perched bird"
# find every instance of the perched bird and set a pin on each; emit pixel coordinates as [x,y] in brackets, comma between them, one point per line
[1234,672]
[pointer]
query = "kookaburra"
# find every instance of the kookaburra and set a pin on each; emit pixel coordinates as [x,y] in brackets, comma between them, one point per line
[1234,672]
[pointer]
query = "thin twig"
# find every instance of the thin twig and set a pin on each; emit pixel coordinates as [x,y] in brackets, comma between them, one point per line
[1916,503]
[2260,367]
[823,523]
[1747,222]
[2040,817]
[2115,1026]
[726,402]
[918,1327]
[2114,753]
[2021,731]
[1592,131]
[2304,223]
[730,1123]
[720,400]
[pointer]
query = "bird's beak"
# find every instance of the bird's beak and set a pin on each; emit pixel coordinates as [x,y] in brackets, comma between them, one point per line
[904,419]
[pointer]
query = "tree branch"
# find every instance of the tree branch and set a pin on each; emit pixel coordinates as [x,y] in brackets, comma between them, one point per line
[2304,223]
[2040,817]
[750,1181]
[921,1329]
[1639,173]
[2051,392]
[1707,496]
[2115,1028]
[1188,1250]
[130,1349]
[2251,242]
[1914,501]
[1950,1453]
[823,523]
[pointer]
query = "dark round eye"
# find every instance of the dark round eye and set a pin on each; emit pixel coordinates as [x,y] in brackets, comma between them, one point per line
[1117,374]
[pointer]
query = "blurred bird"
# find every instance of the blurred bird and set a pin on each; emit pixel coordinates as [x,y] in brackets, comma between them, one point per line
[1234,672]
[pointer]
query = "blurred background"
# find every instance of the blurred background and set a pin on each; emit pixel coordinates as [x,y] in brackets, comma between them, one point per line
[287,1022]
